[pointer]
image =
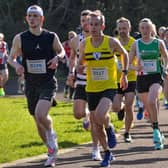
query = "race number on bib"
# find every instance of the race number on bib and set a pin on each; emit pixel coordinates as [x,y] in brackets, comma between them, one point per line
[36,66]
[150,65]
[99,74]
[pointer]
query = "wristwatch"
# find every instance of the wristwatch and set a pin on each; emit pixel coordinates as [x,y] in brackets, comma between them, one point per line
[125,71]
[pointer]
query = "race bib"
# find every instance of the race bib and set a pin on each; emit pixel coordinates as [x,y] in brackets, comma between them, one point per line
[99,74]
[149,66]
[36,66]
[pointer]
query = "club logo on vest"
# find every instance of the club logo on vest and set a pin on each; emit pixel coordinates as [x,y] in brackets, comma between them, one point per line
[37,47]
[97,55]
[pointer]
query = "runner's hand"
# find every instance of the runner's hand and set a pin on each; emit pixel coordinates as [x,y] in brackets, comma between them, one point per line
[123,82]
[53,63]
[71,79]
[19,69]
[80,69]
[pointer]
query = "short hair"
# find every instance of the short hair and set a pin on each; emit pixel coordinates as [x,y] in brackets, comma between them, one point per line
[122,20]
[162,28]
[85,12]
[166,30]
[98,13]
[72,33]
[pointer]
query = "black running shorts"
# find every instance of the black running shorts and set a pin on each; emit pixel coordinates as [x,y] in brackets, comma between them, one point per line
[80,93]
[131,88]
[144,82]
[94,98]
[35,93]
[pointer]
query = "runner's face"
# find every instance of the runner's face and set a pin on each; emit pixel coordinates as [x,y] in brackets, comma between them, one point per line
[166,35]
[145,29]
[123,29]
[34,20]
[84,23]
[95,26]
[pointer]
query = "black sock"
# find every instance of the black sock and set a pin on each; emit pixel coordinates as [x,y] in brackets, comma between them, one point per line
[155,125]
[107,151]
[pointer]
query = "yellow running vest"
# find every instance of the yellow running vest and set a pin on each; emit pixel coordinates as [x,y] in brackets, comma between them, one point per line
[101,67]
[131,73]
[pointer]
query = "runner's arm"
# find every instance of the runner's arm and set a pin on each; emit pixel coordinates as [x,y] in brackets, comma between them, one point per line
[15,51]
[58,48]
[80,65]
[132,55]
[115,45]
[164,54]
[72,58]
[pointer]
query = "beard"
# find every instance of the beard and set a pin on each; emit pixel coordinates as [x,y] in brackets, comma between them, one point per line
[123,35]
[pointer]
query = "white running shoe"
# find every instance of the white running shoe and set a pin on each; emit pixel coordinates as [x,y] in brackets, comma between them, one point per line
[52,150]
[96,156]
[50,162]
[52,153]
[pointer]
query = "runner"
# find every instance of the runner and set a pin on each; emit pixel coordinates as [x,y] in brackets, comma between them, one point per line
[165,81]
[3,64]
[40,50]
[148,50]
[80,98]
[124,28]
[68,90]
[161,32]
[101,72]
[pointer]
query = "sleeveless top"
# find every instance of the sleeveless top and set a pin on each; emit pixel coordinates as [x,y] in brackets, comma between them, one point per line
[80,78]
[101,71]
[37,51]
[131,76]
[149,55]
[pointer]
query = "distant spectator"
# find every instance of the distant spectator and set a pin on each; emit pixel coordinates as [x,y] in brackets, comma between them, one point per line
[3,64]
[161,31]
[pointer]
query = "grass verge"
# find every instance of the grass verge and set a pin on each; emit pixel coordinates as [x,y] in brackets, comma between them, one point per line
[18,135]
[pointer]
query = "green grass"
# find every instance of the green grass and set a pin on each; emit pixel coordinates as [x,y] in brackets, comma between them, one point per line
[18,135]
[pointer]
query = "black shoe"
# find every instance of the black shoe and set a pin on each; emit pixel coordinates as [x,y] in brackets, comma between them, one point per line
[127,137]
[54,103]
[121,114]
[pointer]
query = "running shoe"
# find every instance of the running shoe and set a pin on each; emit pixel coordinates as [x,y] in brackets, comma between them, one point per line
[112,141]
[158,139]
[146,115]
[86,121]
[121,114]
[50,162]
[2,92]
[108,157]
[127,137]
[96,155]
[65,93]
[52,151]
[86,124]
[140,113]
[54,102]
[166,104]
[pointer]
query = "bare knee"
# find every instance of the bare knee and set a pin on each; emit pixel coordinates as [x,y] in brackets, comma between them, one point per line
[116,107]
[78,115]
